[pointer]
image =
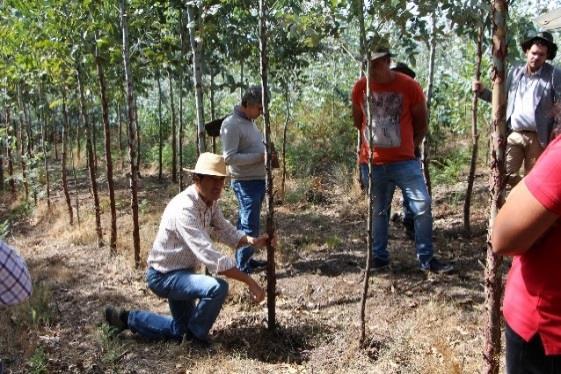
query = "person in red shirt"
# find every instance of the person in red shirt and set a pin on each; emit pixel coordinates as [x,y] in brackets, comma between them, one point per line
[398,125]
[528,228]
[363,154]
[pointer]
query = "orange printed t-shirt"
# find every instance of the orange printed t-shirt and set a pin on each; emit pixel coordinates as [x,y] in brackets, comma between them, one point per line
[391,118]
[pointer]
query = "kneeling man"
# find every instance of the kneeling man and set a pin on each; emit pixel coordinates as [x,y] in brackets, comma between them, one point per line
[182,244]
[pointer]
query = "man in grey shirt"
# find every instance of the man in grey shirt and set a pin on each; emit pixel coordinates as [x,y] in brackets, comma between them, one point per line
[244,153]
[183,243]
[532,90]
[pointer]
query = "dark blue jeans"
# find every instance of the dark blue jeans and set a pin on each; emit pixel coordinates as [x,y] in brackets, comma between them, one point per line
[182,288]
[528,357]
[250,195]
[408,217]
[408,176]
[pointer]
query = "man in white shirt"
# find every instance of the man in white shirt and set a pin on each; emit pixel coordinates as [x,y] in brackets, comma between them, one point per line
[182,244]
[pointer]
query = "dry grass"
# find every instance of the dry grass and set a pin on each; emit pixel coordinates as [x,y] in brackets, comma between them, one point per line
[415,323]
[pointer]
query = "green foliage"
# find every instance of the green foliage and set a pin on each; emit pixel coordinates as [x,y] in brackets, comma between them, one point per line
[111,348]
[448,167]
[324,136]
[38,362]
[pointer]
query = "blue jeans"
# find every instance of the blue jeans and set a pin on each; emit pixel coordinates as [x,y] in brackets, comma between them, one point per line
[250,195]
[182,288]
[407,213]
[408,176]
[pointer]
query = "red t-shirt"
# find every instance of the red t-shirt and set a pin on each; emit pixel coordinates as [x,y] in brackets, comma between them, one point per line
[532,302]
[391,117]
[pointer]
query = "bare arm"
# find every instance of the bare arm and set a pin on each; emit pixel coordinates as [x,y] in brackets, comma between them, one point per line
[256,291]
[357,116]
[420,126]
[520,222]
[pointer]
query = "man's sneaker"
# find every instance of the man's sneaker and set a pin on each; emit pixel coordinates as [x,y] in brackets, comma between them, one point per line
[436,266]
[256,266]
[380,264]
[116,318]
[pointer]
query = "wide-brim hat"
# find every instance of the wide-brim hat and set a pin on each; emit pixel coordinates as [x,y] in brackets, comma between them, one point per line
[209,164]
[543,36]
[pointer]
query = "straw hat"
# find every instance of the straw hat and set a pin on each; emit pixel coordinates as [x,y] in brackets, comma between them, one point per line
[210,164]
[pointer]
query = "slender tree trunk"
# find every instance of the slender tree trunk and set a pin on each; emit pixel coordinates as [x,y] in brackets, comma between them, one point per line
[132,132]
[120,130]
[425,154]
[284,138]
[78,142]
[75,177]
[28,129]
[64,172]
[173,131]
[242,84]
[160,129]
[90,154]
[21,146]
[197,79]
[180,133]
[493,278]
[183,37]
[9,144]
[94,138]
[474,137]
[271,275]
[370,209]
[44,127]
[359,9]
[212,108]
[138,133]
[108,157]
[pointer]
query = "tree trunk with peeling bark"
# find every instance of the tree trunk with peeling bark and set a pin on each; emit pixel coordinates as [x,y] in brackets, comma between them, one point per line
[474,135]
[370,209]
[133,174]
[493,277]
[64,171]
[160,128]
[44,147]
[426,141]
[263,63]
[173,131]
[197,80]
[108,157]
[91,158]
[9,144]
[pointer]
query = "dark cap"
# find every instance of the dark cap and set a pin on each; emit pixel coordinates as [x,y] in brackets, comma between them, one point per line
[403,68]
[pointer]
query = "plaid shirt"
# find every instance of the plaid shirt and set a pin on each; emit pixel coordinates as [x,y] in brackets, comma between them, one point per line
[15,282]
[184,239]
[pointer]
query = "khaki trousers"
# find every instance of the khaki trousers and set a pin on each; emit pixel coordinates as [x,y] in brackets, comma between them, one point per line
[521,147]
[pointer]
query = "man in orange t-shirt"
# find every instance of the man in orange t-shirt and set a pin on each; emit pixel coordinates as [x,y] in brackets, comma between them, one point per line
[398,125]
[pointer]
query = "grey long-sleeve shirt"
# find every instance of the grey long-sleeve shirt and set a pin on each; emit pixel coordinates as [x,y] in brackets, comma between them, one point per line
[243,148]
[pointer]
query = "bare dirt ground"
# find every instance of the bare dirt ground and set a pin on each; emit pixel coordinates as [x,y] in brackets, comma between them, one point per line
[416,322]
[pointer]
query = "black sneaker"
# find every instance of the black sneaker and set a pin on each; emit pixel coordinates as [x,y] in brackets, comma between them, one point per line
[436,266]
[116,318]
[379,264]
